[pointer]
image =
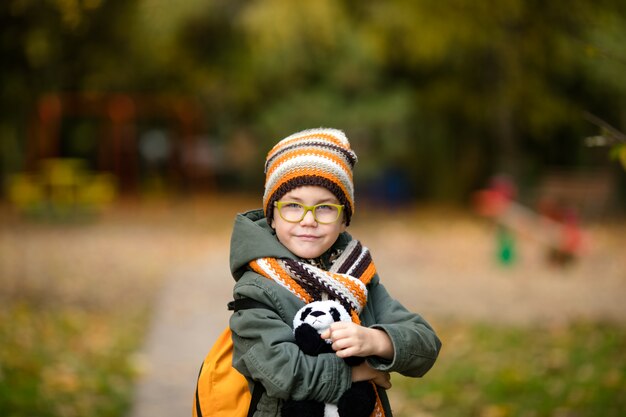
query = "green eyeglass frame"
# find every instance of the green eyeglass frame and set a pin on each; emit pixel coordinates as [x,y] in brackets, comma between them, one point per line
[313,209]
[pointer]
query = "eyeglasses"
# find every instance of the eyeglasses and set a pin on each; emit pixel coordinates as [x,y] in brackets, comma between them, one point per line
[293,212]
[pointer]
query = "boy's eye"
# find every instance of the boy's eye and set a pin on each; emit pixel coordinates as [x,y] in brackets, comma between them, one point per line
[325,207]
[292,206]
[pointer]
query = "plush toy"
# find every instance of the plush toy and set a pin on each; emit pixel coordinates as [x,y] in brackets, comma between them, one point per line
[308,324]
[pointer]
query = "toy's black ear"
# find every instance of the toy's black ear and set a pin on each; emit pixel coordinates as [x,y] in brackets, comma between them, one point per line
[305,313]
[335,313]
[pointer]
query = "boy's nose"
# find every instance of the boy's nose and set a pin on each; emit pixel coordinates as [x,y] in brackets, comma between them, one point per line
[308,218]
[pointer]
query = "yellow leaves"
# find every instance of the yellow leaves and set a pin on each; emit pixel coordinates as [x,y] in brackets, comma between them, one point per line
[62,184]
[23,191]
[99,191]
[92,4]
[428,32]
[285,24]
[414,29]
[495,410]
[60,378]
[291,38]
[65,361]
[613,378]
[585,373]
[433,400]
[72,11]
[38,47]
[619,152]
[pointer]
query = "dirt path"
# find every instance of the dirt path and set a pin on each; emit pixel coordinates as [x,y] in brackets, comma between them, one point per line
[189,315]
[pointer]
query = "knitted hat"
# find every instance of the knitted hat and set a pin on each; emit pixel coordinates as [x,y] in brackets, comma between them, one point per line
[312,157]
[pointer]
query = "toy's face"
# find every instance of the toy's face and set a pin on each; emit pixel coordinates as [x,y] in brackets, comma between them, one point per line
[319,320]
[321,314]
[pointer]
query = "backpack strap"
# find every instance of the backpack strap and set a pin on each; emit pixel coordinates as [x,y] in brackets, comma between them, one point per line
[257,392]
[245,304]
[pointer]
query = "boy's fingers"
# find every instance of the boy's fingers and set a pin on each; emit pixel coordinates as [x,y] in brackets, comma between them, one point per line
[338,325]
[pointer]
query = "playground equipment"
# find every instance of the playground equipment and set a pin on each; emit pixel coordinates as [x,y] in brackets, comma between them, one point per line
[62,189]
[554,226]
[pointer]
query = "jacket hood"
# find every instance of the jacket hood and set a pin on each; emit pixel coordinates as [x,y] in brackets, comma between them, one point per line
[253,238]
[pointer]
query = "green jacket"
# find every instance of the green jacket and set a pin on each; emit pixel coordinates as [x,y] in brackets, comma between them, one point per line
[264,347]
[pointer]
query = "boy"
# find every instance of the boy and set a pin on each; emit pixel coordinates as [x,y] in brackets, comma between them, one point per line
[296,250]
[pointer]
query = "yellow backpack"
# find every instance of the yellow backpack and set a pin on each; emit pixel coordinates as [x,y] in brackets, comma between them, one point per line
[221,390]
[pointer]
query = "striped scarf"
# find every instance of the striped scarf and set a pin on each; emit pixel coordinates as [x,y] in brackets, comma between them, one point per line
[344,282]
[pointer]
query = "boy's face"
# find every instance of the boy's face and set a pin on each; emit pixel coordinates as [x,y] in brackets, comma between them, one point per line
[308,238]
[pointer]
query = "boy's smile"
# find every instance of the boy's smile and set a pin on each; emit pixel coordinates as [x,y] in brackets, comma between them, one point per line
[307,238]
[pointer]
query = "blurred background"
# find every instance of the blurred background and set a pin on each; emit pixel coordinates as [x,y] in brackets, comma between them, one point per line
[491,181]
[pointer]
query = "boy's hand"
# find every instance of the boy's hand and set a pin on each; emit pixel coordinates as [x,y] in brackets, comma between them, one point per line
[350,339]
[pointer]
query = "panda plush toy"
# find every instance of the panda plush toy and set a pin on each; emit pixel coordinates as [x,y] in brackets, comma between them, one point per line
[309,323]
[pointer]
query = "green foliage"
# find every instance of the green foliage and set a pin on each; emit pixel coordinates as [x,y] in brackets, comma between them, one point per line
[66,361]
[604,52]
[618,152]
[495,76]
[66,46]
[489,370]
[464,88]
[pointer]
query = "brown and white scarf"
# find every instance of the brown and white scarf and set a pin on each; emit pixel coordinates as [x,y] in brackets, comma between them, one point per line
[345,281]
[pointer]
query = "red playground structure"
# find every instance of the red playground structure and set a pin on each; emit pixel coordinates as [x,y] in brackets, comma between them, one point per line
[553,225]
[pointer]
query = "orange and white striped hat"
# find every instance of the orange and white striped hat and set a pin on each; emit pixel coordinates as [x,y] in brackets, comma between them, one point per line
[312,157]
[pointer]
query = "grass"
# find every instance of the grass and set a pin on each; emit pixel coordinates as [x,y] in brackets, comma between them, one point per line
[66,361]
[573,370]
